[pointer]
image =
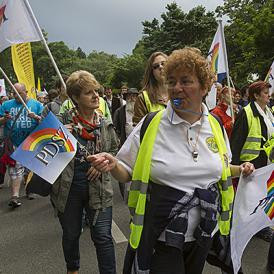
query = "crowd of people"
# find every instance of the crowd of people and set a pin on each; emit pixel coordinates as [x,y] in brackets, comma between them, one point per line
[176,161]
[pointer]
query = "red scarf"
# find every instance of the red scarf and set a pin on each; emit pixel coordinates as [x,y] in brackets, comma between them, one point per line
[84,128]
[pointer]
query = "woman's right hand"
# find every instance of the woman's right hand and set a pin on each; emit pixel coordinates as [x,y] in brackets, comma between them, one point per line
[103,162]
[69,127]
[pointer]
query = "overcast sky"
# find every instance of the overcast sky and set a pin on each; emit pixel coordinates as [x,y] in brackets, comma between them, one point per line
[113,26]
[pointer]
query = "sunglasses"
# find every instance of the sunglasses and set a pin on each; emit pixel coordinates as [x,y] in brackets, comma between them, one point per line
[158,65]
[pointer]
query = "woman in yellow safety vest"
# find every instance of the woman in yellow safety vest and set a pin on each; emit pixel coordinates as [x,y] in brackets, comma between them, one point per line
[154,94]
[181,191]
[253,133]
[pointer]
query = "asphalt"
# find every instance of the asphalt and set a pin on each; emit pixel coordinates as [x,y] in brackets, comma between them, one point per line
[30,240]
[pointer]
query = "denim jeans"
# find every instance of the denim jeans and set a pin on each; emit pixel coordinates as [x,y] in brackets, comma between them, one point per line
[71,222]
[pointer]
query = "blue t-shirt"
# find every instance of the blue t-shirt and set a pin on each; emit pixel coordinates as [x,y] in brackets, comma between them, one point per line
[24,125]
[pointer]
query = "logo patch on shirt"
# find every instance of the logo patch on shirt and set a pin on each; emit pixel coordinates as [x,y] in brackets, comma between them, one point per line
[211,144]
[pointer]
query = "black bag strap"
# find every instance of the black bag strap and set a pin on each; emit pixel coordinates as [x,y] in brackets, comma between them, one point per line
[146,123]
[219,121]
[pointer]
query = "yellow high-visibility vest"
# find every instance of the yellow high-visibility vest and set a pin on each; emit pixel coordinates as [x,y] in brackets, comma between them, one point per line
[140,179]
[151,107]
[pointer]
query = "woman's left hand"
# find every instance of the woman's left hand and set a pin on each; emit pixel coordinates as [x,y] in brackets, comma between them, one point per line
[93,174]
[247,168]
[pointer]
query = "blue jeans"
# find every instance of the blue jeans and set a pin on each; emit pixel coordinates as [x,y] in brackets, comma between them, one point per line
[71,222]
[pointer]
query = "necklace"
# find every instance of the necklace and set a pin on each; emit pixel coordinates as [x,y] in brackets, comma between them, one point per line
[195,153]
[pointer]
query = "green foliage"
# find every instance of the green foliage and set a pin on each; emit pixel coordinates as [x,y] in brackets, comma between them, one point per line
[129,70]
[249,37]
[179,29]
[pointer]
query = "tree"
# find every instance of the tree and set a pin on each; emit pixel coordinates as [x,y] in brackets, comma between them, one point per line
[80,54]
[102,65]
[130,70]
[179,29]
[249,37]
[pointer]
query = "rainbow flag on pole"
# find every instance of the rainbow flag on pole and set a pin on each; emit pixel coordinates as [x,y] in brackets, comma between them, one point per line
[216,56]
[48,149]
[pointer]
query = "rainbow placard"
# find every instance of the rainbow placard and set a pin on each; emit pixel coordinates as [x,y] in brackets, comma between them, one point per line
[269,209]
[48,149]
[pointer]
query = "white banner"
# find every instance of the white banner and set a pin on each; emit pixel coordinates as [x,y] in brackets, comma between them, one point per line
[253,210]
[2,88]
[16,25]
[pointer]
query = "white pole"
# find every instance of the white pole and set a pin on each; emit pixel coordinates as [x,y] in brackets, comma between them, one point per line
[44,41]
[232,83]
[14,89]
[226,68]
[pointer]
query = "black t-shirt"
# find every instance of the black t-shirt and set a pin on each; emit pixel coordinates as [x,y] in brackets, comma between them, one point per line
[81,166]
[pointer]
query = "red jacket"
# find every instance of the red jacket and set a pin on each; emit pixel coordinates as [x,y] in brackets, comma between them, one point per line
[220,111]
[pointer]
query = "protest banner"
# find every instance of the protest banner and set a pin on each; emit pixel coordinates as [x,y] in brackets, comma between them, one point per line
[23,66]
[48,149]
[253,210]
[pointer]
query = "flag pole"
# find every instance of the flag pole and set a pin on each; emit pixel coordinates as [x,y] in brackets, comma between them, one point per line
[44,41]
[14,89]
[232,82]
[226,67]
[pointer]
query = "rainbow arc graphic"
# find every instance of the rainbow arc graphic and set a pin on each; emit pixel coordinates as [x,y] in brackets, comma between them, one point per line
[269,209]
[42,137]
[215,57]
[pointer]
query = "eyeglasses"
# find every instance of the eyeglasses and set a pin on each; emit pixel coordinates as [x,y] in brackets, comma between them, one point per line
[158,65]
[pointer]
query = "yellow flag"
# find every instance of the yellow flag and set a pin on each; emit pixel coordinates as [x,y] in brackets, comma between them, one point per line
[23,66]
[38,84]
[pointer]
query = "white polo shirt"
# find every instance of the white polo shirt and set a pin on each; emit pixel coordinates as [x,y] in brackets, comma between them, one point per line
[172,163]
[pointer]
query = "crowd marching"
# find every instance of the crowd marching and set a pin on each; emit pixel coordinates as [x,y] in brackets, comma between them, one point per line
[177,161]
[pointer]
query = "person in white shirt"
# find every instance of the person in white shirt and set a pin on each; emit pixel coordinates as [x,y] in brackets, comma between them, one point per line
[186,167]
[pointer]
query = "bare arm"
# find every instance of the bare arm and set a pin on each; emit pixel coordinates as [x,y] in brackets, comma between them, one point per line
[245,168]
[105,162]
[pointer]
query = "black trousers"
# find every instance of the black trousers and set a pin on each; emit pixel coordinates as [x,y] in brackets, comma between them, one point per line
[170,260]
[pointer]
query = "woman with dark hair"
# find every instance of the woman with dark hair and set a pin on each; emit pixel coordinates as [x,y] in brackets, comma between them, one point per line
[154,95]
[80,186]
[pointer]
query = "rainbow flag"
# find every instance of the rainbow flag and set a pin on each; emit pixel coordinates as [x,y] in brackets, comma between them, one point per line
[48,149]
[216,56]
[269,209]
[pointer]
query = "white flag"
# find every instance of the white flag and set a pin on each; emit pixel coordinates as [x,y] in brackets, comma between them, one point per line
[253,210]
[216,56]
[211,98]
[2,88]
[270,78]
[16,25]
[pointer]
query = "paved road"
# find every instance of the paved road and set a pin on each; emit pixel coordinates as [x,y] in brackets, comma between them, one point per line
[30,240]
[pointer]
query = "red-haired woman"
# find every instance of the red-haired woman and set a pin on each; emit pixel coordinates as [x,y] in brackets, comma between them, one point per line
[252,129]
